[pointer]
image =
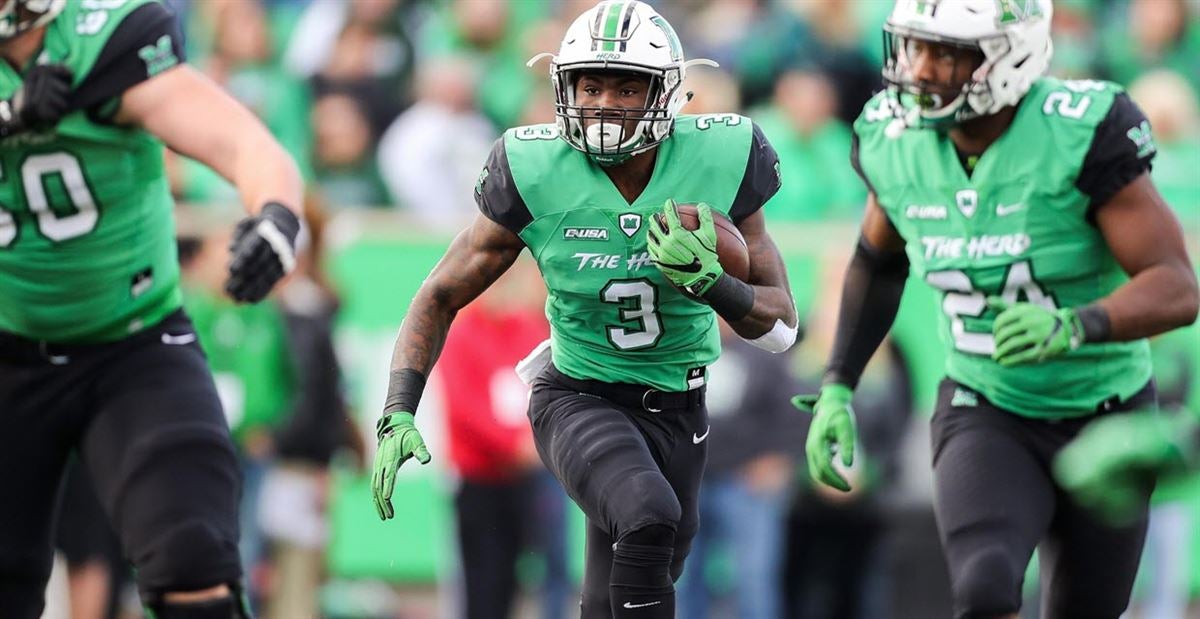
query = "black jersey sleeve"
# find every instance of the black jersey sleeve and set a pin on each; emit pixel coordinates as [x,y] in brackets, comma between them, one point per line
[760,181]
[1121,151]
[147,42]
[496,192]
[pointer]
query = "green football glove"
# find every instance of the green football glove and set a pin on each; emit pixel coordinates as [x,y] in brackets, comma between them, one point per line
[398,441]
[1110,465]
[1029,333]
[831,433]
[688,258]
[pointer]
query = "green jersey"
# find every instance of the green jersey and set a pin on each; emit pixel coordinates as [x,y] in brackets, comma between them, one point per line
[613,316]
[1018,226]
[249,356]
[87,236]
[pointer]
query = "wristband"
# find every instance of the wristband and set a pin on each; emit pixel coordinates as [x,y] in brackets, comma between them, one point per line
[1094,322]
[730,297]
[404,391]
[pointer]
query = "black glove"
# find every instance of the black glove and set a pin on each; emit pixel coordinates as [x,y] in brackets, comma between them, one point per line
[39,103]
[263,251]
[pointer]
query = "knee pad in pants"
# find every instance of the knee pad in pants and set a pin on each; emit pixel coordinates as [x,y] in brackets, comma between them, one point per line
[987,585]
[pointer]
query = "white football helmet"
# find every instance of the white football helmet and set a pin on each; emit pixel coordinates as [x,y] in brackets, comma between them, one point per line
[619,35]
[1012,36]
[17,16]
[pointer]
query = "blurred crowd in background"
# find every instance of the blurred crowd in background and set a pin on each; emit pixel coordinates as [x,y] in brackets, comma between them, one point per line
[394,104]
[390,107]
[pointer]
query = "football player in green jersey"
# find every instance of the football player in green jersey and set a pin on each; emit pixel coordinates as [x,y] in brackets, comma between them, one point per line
[617,406]
[96,356]
[1026,203]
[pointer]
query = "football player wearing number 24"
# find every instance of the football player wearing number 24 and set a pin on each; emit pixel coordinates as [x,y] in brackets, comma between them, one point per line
[617,404]
[1026,203]
[96,355]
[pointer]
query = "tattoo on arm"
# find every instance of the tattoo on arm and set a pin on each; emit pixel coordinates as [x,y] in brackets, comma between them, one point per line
[475,260]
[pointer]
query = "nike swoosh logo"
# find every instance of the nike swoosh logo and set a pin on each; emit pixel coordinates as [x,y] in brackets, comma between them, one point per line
[1003,210]
[696,440]
[694,267]
[632,605]
[178,340]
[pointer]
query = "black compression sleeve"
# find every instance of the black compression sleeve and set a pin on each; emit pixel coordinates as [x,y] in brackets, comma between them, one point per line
[870,298]
[404,391]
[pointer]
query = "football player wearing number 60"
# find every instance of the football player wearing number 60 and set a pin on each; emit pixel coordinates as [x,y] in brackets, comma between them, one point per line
[1026,203]
[96,355]
[617,405]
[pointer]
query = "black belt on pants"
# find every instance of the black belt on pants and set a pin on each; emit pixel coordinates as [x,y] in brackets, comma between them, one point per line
[632,396]
[18,349]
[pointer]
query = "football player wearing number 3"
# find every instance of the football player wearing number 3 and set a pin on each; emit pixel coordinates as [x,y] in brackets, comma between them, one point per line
[1026,203]
[617,404]
[96,356]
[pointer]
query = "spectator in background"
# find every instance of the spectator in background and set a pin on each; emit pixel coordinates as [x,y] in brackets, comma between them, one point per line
[246,346]
[814,151]
[1075,44]
[1173,111]
[1152,34]
[96,569]
[293,506]
[429,157]
[241,63]
[835,50]
[753,39]
[713,92]
[836,562]
[491,447]
[754,436]
[494,35]
[363,48]
[344,162]
[312,49]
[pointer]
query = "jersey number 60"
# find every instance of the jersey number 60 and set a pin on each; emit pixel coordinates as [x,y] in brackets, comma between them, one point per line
[34,172]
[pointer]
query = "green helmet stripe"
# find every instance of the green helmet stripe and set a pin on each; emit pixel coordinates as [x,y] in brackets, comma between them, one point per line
[612,22]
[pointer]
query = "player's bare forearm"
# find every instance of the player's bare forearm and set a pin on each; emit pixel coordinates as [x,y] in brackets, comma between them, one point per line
[1158,299]
[195,118]
[773,301]
[478,256]
[1146,239]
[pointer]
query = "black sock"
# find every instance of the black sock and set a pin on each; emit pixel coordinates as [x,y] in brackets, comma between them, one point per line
[641,586]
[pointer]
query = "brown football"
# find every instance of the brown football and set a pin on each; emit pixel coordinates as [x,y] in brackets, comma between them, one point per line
[731,247]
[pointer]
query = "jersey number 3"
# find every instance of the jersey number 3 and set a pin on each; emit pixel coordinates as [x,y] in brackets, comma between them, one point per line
[34,173]
[638,299]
